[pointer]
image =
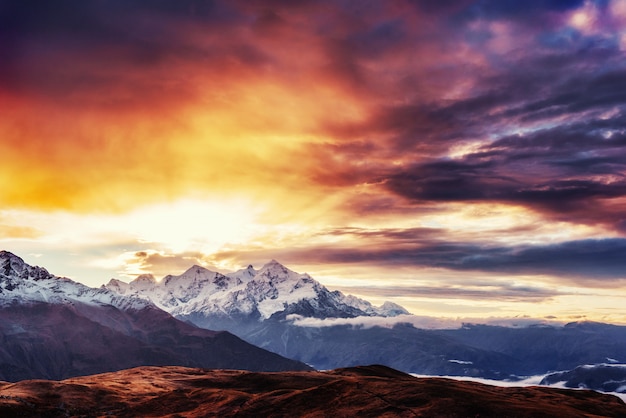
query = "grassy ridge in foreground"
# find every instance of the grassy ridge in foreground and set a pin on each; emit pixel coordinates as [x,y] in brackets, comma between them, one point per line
[359,391]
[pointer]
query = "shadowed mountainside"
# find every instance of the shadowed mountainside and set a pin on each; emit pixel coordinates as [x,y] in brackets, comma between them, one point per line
[361,391]
[285,312]
[54,328]
[52,341]
[603,377]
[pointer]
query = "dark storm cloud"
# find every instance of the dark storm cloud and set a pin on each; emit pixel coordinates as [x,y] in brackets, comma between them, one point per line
[575,261]
[59,48]
[580,79]
[591,258]
[553,131]
[104,20]
[552,123]
[546,109]
[495,9]
[512,99]
[578,94]
[583,262]
[466,182]
[566,168]
[512,9]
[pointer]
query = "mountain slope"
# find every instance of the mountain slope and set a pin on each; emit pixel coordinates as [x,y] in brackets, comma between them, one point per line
[361,391]
[602,377]
[21,283]
[263,307]
[402,347]
[54,328]
[259,307]
[542,349]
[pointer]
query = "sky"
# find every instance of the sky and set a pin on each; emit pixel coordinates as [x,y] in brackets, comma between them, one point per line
[463,158]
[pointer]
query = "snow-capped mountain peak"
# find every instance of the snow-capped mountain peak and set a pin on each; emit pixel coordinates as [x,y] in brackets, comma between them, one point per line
[392,309]
[12,267]
[245,275]
[115,285]
[274,291]
[147,279]
[21,283]
[194,273]
[276,271]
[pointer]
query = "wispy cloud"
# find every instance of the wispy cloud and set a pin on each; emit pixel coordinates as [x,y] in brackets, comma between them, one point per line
[467,290]
[416,321]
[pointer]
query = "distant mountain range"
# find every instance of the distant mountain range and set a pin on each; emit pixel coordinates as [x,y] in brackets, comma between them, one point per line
[606,377]
[266,307]
[52,327]
[272,293]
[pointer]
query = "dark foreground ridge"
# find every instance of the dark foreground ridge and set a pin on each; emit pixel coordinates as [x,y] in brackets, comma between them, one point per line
[375,391]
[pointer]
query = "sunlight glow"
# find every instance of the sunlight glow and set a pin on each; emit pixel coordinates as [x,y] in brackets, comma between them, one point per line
[187,223]
[179,225]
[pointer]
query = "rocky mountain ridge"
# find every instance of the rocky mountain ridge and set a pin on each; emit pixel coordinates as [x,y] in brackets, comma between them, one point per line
[273,291]
[52,327]
[21,283]
[270,308]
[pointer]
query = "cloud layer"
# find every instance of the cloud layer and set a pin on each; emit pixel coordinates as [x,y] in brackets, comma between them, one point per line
[462,136]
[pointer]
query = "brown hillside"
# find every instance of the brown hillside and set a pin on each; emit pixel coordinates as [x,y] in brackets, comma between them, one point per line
[374,391]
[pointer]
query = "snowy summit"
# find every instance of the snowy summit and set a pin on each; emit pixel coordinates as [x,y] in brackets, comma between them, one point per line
[21,283]
[274,292]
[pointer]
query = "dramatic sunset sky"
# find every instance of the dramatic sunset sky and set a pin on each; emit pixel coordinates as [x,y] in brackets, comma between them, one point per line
[463,158]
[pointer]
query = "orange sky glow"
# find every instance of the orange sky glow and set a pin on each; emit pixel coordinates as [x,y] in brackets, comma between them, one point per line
[464,159]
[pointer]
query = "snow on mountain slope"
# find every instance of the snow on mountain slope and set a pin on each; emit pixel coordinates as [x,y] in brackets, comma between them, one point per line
[21,283]
[52,327]
[273,291]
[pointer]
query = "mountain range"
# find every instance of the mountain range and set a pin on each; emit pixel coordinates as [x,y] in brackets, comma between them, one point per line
[267,319]
[272,293]
[283,311]
[52,327]
[606,377]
